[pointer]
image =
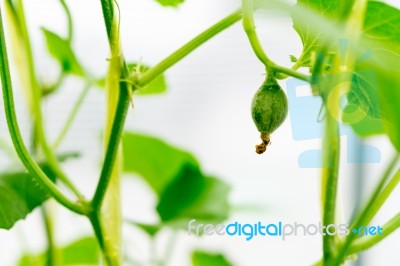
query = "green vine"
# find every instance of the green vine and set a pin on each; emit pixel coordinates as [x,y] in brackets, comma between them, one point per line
[15,133]
[330,180]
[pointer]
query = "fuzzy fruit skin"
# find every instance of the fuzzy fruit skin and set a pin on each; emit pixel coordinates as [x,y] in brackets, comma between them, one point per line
[269,107]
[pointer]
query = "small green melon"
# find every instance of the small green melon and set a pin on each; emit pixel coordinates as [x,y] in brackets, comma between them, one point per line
[269,109]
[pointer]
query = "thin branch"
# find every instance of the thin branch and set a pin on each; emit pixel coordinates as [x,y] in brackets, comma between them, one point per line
[372,206]
[189,47]
[369,241]
[15,133]
[250,29]
[69,20]
[72,115]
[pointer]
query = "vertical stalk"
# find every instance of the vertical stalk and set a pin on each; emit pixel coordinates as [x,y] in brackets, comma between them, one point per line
[106,219]
[52,253]
[111,208]
[330,180]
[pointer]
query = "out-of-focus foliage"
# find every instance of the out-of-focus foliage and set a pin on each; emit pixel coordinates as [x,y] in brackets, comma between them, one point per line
[84,251]
[170,2]
[61,50]
[376,77]
[19,195]
[183,191]
[202,258]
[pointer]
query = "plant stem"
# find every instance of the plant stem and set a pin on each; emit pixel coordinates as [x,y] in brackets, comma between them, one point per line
[34,94]
[369,241]
[249,28]
[69,20]
[291,72]
[189,47]
[102,239]
[72,115]
[193,44]
[330,179]
[113,146]
[117,125]
[106,200]
[376,200]
[52,253]
[15,133]
[378,190]
[381,199]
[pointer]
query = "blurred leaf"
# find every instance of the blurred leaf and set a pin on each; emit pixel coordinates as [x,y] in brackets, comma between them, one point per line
[376,79]
[382,36]
[310,34]
[293,59]
[157,86]
[153,229]
[6,148]
[101,83]
[363,92]
[81,252]
[367,126]
[150,229]
[170,2]
[183,191]
[62,51]
[210,206]
[153,159]
[19,195]
[202,258]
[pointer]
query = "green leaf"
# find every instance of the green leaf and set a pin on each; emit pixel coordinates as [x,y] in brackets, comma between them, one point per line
[81,252]
[170,2]
[365,127]
[312,35]
[150,229]
[62,51]
[19,195]
[153,159]
[211,205]
[183,191]
[364,93]
[382,36]
[363,109]
[376,80]
[202,258]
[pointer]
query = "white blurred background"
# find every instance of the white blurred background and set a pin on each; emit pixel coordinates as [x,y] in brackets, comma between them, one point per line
[206,111]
